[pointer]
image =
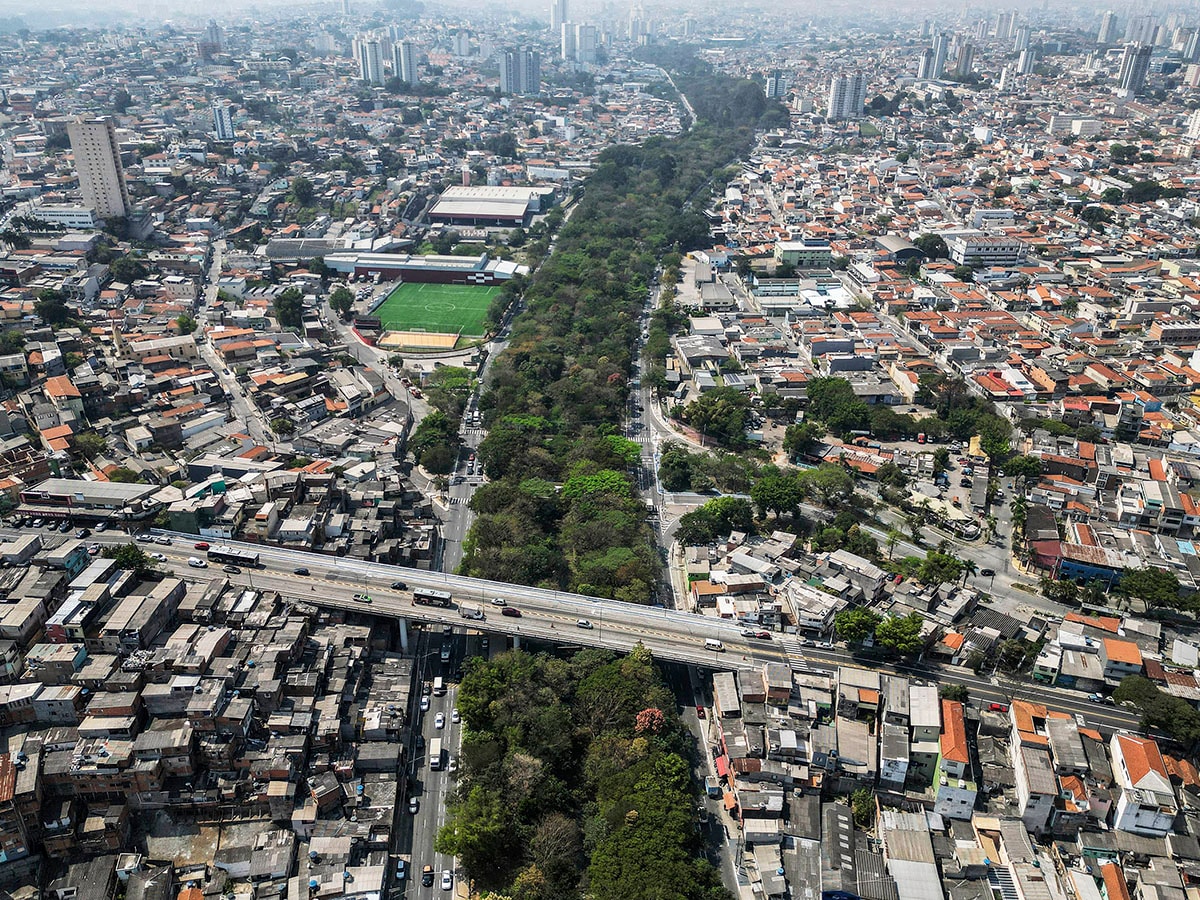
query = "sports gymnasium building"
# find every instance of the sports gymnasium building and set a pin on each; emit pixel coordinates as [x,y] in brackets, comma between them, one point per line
[429,269]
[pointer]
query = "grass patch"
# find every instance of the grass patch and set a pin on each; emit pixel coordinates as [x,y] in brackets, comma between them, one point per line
[449,308]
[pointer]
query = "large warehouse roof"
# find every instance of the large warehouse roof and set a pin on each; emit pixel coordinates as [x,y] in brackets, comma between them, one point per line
[489,201]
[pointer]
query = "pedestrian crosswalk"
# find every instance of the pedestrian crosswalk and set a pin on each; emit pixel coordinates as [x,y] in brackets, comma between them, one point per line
[459,501]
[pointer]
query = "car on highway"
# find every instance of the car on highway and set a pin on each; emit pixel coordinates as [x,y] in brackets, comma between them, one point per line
[163,541]
[427,876]
[93,549]
[300,570]
[762,635]
[499,601]
[232,570]
[439,721]
[160,557]
[452,765]
[748,632]
[64,527]
[401,870]
[83,532]
[38,523]
[424,704]
[997,707]
[584,623]
[196,563]
[362,598]
[413,805]
[447,880]
[399,586]
[103,526]
[200,545]
[511,611]
[454,716]
[1096,698]
[987,573]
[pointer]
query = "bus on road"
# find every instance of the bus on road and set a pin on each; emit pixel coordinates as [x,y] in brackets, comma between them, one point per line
[233,556]
[426,597]
[435,754]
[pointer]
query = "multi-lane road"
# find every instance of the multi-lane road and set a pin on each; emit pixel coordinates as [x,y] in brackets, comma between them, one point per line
[555,616]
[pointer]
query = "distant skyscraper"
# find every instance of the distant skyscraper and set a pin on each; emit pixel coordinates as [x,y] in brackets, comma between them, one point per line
[587,40]
[345,7]
[1022,37]
[1193,126]
[214,35]
[1135,63]
[1006,78]
[1026,61]
[1141,29]
[966,60]
[369,54]
[558,15]
[847,96]
[941,49]
[925,68]
[566,40]
[1191,46]
[222,121]
[1108,28]
[521,72]
[404,62]
[98,164]
[1005,22]
[462,43]
[775,87]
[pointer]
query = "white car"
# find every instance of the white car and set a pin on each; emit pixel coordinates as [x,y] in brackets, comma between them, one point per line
[452,765]
[159,557]
[424,704]
[454,716]
[439,721]
[197,563]
[447,880]
[584,623]
[499,601]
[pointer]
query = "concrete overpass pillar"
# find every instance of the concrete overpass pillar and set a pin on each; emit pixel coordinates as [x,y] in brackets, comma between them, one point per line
[516,639]
[403,635]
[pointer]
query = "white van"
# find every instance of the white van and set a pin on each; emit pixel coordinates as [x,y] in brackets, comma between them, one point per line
[713,644]
[439,687]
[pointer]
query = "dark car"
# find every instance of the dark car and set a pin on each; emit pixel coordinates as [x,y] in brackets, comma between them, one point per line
[300,571]
[399,586]
[427,876]
[511,612]
[232,570]
[987,573]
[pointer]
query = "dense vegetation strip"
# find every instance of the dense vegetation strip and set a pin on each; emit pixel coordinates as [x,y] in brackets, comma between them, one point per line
[575,781]
[561,509]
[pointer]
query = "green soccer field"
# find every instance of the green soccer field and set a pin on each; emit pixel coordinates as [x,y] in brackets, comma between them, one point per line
[450,308]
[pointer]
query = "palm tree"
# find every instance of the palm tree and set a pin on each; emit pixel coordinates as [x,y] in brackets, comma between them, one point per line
[989,527]
[969,568]
[893,538]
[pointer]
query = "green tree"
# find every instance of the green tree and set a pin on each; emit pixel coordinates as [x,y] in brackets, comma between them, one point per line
[132,558]
[51,307]
[1144,192]
[932,245]
[862,804]
[800,439]
[342,300]
[283,426]
[187,324]
[1154,586]
[720,415]
[900,634]
[956,692]
[289,307]
[777,493]
[964,273]
[1160,711]
[855,625]
[89,444]
[128,269]
[478,831]
[302,191]
[123,475]
[1025,468]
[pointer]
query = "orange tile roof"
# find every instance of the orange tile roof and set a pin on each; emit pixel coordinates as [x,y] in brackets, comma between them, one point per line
[1115,885]
[61,386]
[1122,651]
[954,733]
[1142,757]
